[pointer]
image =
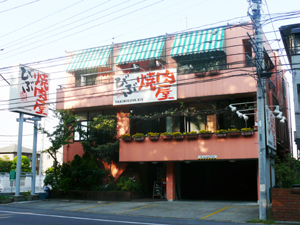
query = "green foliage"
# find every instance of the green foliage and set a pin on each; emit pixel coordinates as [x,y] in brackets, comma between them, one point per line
[191,132]
[204,132]
[125,135]
[177,134]
[165,134]
[287,171]
[247,129]
[151,134]
[138,135]
[5,164]
[101,139]
[232,130]
[27,193]
[83,173]
[24,164]
[63,134]
[221,131]
[5,196]
[50,178]
[126,184]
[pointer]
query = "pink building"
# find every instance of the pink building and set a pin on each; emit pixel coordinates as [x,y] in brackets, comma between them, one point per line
[204,71]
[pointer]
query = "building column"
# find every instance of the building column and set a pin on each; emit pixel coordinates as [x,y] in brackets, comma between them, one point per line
[171,181]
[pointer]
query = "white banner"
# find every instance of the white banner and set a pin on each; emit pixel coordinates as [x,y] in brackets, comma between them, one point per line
[270,128]
[149,86]
[29,92]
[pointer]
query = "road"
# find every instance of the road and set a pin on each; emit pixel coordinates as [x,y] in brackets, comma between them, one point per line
[18,216]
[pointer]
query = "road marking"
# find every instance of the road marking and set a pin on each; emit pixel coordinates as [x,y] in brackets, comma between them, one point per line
[93,206]
[215,212]
[136,208]
[82,218]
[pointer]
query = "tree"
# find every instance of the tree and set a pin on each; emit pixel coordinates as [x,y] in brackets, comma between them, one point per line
[5,164]
[287,171]
[63,134]
[24,164]
[101,138]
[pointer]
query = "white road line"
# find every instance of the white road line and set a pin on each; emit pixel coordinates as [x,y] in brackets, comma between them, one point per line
[81,218]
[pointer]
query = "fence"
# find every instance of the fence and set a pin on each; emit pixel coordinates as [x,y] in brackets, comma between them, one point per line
[8,186]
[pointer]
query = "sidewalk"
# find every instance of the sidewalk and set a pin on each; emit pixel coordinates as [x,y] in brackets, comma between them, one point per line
[237,212]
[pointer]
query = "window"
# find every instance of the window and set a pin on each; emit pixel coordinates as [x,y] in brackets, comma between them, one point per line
[135,68]
[283,88]
[85,77]
[202,62]
[248,53]
[298,97]
[83,125]
[296,44]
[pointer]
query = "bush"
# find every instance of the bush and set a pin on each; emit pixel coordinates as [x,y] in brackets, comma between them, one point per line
[126,184]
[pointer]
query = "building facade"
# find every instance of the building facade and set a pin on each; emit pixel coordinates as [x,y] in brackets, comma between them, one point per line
[291,39]
[180,83]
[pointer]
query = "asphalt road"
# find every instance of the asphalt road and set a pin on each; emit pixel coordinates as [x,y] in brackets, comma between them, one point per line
[14,216]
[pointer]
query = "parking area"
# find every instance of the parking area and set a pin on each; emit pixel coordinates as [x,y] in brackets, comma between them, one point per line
[198,210]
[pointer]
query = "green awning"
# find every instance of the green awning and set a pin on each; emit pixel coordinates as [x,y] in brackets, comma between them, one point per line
[199,42]
[90,58]
[141,50]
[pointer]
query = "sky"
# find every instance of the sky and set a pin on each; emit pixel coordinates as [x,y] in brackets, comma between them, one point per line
[40,32]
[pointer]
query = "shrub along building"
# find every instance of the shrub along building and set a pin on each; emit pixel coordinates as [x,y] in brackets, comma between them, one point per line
[180,83]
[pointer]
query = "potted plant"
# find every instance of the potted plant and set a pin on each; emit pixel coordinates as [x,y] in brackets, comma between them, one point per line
[139,137]
[153,136]
[233,132]
[221,133]
[205,133]
[6,199]
[166,136]
[28,196]
[126,137]
[247,131]
[178,135]
[191,135]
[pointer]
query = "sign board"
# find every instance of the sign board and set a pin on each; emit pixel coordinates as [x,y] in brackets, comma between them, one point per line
[207,157]
[144,87]
[12,175]
[157,189]
[29,91]
[270,129]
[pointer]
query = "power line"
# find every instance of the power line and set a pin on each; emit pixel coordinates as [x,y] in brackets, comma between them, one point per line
[19,6]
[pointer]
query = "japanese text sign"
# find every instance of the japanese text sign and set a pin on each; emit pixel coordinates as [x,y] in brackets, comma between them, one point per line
[147,86]
[29,92]
[270,128]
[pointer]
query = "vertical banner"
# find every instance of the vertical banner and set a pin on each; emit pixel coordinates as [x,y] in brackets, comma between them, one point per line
[29,92]
[270,128]
[148,86]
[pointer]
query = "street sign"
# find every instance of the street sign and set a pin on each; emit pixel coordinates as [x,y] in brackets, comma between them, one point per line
[270,128]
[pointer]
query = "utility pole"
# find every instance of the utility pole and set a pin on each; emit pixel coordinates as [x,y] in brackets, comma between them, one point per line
[256,16]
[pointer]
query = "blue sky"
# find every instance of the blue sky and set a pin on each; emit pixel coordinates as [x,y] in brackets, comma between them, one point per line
[37,30]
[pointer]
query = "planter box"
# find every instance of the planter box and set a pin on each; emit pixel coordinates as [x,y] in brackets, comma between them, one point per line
[153,138]
[139,139]
[7,200]
[166,137]
[18,198]
[247,133]
[28,198]
[179,137]
[201,74]
[234,133]
[221,135]
[214,72]
[205,135]
[127,139]
[191,136]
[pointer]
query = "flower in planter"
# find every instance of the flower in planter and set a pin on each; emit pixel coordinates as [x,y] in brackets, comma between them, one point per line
[191,132]
[125,136]
[204,132]
[177,134]
[138,135]
[246,129]
[222,131]
[233,130]
[152,134]
[165,134]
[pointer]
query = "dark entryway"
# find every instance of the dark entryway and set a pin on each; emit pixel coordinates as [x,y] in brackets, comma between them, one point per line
[217,180]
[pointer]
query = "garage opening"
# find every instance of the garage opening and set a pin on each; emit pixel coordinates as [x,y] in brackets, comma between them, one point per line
[217,180]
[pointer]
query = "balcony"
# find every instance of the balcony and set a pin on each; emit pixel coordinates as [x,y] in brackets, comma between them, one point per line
[241,147]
